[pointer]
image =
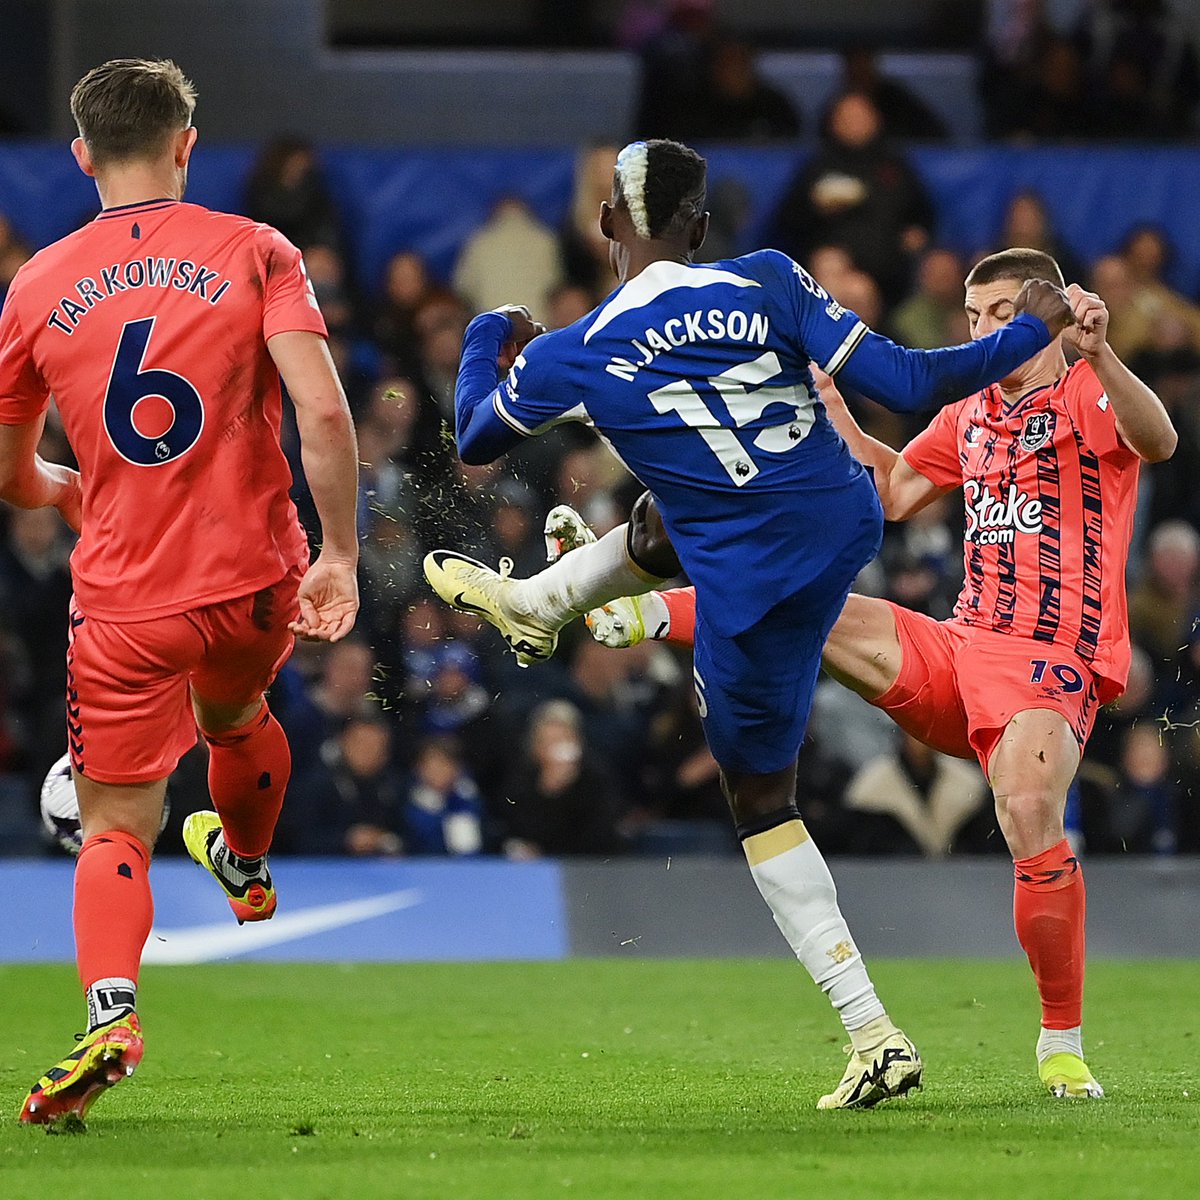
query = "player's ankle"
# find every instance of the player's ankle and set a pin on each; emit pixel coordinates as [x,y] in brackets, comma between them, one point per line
[1059,1041]
[874,1033]
[656,616]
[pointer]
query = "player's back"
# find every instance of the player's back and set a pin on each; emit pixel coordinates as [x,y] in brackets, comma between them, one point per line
[698,377]
[149,326]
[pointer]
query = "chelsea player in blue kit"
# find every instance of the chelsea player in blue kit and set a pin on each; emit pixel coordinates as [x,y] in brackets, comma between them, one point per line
[697,377]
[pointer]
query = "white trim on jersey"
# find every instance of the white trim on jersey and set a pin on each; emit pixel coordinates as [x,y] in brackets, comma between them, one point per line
[838,360]
[507,417]
[657,278]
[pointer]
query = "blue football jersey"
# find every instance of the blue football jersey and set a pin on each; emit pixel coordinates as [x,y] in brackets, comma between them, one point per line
[698,378]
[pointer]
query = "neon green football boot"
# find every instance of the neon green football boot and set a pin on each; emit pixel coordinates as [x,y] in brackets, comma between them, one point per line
[1067,1077]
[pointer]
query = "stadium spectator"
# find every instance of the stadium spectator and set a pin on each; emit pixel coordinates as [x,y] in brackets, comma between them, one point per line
[442,813]
[676,70]
[439,324]
[1145,815]
[35,592]
[327,274]
[1130,325]
[584,249]
[858,193]
[933,316]
[558,800]
[916,801]
[345,688]
[737,104]
[567,303]
[1162,604]
[1027,223]
[349,802]
[905,114]
[407,285]
[1143,68]
[14,253]
[287,189]
[1147,254]
[511,254]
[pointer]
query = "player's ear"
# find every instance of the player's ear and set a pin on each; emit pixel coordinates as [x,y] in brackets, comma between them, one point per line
[185,143]
[699,232]
[83,156]
[606,219]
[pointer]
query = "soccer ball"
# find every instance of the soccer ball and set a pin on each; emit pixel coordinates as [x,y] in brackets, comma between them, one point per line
[60,808]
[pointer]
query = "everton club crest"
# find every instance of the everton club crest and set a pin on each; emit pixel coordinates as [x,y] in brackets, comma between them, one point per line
[1039,429]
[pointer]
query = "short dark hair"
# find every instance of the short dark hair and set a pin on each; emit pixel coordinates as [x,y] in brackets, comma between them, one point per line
[662,184]
[1019,263]
[129,107]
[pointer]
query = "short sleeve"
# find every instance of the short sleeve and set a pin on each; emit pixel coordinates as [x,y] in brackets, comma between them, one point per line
[828,334]
[934,452]
[24,395]
[289,303]
[1093,415]
[536,394]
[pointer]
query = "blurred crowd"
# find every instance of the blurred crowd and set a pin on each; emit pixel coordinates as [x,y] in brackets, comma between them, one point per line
[419,735]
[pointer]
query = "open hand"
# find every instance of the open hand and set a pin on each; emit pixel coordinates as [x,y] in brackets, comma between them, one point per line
[328,601]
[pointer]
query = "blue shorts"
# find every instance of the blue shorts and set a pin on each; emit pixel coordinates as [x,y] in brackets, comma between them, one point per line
[756,688]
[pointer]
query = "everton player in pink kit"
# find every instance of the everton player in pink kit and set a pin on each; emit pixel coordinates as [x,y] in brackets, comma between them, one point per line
[161,330]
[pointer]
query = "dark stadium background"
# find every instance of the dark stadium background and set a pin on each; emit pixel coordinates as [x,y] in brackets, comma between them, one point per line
[434,160]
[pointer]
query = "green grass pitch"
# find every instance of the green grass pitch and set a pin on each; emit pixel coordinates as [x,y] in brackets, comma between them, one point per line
[616,1078]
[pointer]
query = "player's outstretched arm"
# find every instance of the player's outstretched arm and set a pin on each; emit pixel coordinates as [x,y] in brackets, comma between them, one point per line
[902,491]
[329,590]
[909,380]
[492,339]
[28,481]
[1142,421]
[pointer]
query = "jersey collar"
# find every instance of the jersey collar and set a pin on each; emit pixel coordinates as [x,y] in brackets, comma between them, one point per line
[141,206]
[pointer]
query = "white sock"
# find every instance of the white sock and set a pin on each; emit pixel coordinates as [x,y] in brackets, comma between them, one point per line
[108,999]
[656,616]
[1059,1041]
[582,580]
[237,870]
[795,882]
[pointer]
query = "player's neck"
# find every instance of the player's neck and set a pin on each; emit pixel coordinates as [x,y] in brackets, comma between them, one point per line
[1041,374]
[138,183]
[646,254]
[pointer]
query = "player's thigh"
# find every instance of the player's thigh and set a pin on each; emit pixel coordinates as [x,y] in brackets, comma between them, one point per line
[862,651]
[915,678]
[129,720]
[247,642]
[755,691]
[1005,682]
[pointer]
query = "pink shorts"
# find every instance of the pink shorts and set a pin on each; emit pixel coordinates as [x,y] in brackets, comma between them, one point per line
[129,707]
[959,687]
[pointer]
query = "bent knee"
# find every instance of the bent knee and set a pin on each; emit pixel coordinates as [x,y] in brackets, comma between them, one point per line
[649,545]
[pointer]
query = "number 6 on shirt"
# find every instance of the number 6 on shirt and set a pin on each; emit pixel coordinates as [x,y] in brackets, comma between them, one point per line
[129,385]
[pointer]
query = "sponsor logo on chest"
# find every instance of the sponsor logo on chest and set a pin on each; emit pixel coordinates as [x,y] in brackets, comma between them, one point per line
[994,520]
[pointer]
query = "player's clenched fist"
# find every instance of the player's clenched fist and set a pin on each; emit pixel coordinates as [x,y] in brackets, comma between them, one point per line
[1046,301]
[524,330]
[1091,321]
